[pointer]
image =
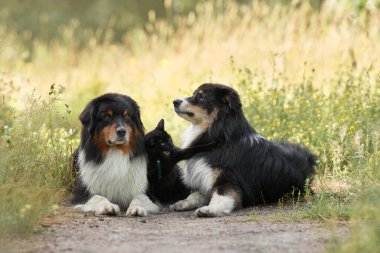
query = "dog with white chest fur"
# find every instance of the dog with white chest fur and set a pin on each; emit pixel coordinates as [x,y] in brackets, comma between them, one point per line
[244,169]
[111,162]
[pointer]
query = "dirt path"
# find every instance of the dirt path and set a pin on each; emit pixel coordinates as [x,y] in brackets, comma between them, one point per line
[177,232]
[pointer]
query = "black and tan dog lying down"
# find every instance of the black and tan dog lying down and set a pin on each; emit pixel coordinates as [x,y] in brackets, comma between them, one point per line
[229,165]
[244,169]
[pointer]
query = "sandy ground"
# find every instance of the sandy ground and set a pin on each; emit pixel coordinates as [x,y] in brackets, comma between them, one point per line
[69,231]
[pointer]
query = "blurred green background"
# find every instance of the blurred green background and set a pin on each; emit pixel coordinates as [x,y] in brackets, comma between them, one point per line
[43,19]
[46,19]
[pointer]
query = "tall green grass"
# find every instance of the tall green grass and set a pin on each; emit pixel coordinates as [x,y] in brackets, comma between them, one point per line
[35,166]
[365,221]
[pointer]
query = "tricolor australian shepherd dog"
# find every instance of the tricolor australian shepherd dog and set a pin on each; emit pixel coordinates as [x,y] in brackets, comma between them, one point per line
[111,162]
[244,169]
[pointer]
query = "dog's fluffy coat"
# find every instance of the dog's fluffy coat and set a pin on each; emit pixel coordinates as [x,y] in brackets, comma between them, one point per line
[245,169]
[111,162]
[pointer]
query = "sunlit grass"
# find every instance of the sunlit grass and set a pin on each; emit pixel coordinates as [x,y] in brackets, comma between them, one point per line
[279,43]
[36,144]
[365,218]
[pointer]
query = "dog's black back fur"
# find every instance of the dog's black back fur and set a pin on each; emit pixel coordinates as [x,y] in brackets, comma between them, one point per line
[262,171]
[80,192]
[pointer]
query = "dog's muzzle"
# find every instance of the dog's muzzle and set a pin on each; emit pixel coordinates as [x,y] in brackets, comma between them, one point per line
[177,103]
[121,136]
[178,107]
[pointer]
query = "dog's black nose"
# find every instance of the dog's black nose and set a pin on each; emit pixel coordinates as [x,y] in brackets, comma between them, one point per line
[177,102]
[121,131]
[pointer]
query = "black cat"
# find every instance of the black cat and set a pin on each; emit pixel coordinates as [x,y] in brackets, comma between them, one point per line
[164,176]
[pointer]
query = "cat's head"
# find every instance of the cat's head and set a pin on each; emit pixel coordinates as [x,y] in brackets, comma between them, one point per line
[158,141]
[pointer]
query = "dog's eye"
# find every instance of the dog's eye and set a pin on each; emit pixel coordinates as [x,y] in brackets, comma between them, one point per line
[200,98]
[162,143]
[126,114]
[109,114]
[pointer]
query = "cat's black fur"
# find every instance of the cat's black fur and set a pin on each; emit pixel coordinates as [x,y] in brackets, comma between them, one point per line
[164,176]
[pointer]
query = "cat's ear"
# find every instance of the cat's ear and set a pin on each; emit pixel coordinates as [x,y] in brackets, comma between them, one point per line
[161,125]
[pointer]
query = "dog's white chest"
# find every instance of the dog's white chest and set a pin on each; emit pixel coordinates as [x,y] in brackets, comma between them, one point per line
[118,178]
[198,175]
[196,172]
[191,134]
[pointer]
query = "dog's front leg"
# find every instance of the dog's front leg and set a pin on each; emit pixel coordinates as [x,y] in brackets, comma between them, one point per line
[141,205]
[223,201]
[99,205]
[194,200]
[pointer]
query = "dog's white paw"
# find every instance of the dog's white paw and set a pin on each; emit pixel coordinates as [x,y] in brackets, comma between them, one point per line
[209,211]
[108,209]
[182,205]
[136,211]
[99,205]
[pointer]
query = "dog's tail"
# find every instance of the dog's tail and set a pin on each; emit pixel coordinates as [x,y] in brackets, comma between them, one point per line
[308,161]
[302,159]
[308,169]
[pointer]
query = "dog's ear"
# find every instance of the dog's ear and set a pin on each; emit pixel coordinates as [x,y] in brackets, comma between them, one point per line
[138,119]
[161,125]
[87,117]
[230,98]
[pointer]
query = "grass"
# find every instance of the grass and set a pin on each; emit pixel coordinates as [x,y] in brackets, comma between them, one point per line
[305,76]
[324,207]
[35,171]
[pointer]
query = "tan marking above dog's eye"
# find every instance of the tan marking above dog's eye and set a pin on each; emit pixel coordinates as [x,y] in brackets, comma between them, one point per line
[125,114]
[109,113]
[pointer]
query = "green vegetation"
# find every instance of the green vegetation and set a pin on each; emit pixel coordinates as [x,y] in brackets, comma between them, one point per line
[36,146]
[306,72]
[95,17]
